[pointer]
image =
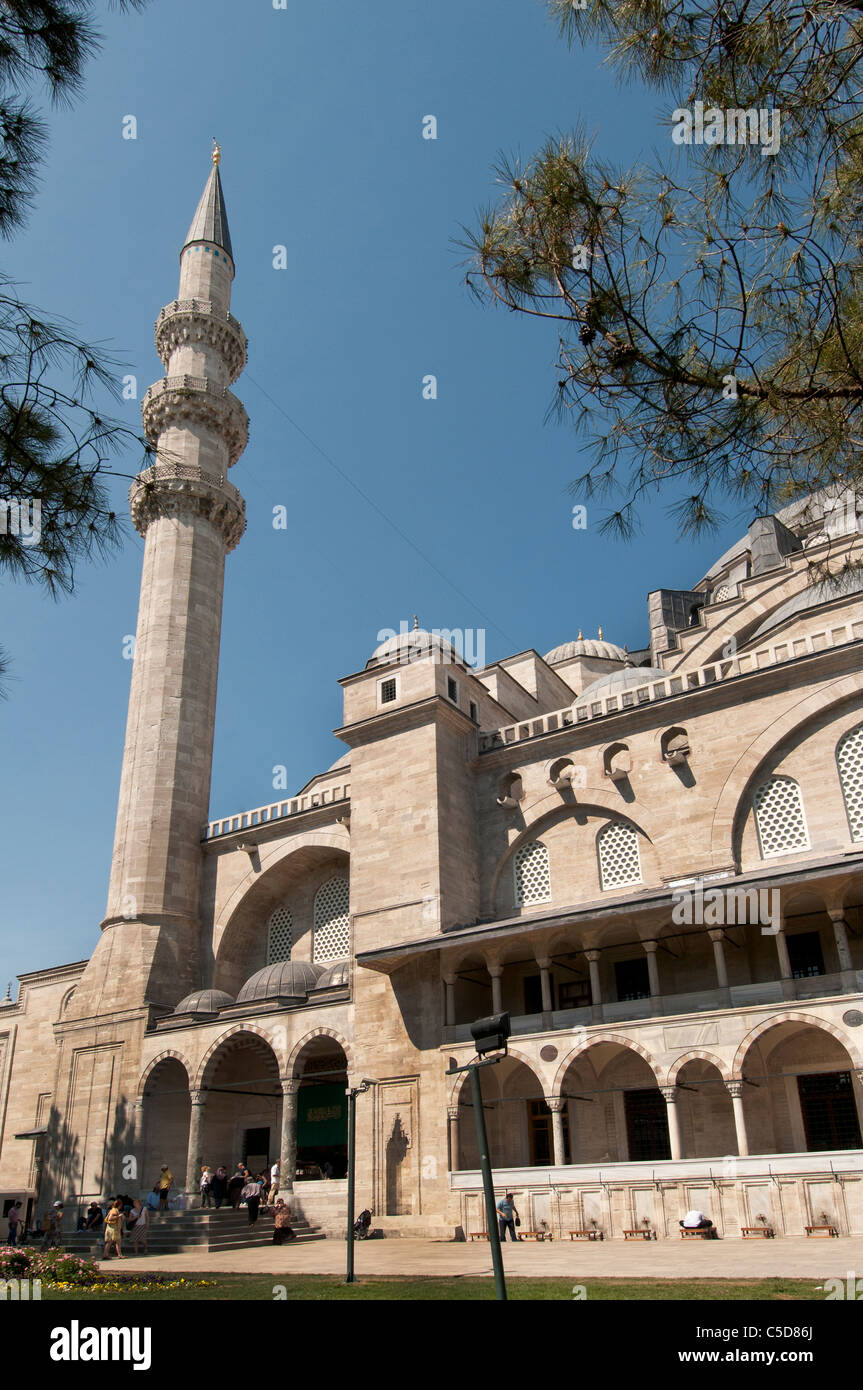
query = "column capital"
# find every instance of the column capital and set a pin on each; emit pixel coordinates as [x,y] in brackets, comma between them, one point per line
[448,979]
[289,1084]
[544,962]
[198,1097]
[717,934]
[650,947]
[669,1094]
[555,1104]
[592,955]
[495,970]
[452,1112]
[734,1089]
[837,914]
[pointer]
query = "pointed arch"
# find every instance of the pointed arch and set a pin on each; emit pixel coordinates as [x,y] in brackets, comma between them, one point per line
[696,1055]
[168,1055]
[616,1038]
[804,1020]
[304,1041]
[250,1029]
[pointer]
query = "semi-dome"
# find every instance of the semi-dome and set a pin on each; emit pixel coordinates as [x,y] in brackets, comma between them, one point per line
[584,646]
[622,680]
[204,1001]
[335,974]
[411,646]
[285,979]
[813,596]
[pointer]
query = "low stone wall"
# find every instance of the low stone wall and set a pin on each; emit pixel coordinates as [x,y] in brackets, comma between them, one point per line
[791,1191]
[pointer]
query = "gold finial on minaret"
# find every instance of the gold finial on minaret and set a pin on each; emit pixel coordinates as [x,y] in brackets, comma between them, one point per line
[416,623]
[217,153]
[580,636]
[600,634]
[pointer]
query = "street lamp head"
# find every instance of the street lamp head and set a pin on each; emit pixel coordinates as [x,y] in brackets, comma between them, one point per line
[490,1034]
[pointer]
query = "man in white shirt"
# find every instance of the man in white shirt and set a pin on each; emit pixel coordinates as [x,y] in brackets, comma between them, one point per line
[275,1170]
[697,1221]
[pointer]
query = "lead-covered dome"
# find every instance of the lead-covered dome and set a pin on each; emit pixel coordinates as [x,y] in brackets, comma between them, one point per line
[584,646]
[335,974]
[204,1001]
[618,681]
[285,979]
[412,646]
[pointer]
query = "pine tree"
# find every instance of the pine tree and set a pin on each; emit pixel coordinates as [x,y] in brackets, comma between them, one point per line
[708,304]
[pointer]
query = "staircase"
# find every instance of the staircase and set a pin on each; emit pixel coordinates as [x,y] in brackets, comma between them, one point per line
[176,1232]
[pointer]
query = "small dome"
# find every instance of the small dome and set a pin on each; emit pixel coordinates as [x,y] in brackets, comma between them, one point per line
[204,1001]
[584,646]
[411,646]
[622,680]
[335,974]
[286,979]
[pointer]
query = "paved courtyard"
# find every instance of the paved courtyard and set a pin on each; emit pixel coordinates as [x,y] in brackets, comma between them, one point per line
[794,1257]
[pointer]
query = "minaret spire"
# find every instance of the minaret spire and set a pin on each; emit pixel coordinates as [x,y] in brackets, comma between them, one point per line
[190,517]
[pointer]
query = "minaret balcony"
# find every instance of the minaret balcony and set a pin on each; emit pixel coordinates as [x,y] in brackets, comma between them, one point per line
[177,402]
[192,321]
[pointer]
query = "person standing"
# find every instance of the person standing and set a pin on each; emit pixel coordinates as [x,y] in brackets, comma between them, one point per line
[14,1218]
[52,1223]
[251,1195]
[164,1185]
[206,1186]
[275,1172]
[114,1230]
[219,1185]
[139,1222]
[507,1217]
[235,1187]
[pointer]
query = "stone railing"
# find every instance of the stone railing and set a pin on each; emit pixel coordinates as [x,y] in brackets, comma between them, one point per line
[337,794]
[198,306]
[168,472]
[678,683]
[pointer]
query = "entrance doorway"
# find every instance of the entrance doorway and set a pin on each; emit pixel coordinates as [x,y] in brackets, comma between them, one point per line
[646,1125]
[829,1114]
[256,1150]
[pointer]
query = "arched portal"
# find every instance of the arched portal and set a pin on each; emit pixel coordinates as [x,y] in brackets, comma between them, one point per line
[517,1118]
[243,1104]
[800,1094]
[321,1069]
[616,1111]
[166,1113]
[706,1111]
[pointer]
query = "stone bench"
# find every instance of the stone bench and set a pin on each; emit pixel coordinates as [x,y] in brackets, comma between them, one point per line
[639,1233]
[535,1235]
[753,1232]
[706,1233]
[479,1235]
[590,1234]
[821,1231]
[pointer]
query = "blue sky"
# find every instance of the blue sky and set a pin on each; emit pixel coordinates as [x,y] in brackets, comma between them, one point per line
[318,109]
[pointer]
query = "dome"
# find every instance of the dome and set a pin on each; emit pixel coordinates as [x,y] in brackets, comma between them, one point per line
[204,1001]
[813,596]
[584,646]
[286,979]
[335,974]
[622,680]
[411,646]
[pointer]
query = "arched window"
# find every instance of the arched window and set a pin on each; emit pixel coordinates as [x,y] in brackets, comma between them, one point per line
[280,935]
[331,939]
[779,817]
[619,859]
[849,758]
[532,878]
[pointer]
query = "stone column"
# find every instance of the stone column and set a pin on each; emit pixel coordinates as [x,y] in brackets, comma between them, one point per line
[556,1105]
[449,992]
[496,971]
[785,975]
[670,1096]
[592,958]
[650,949]
[717,937]
[452,1125]
[288,1142]
[545,981]
[840,933]
[194,1152]
[735,1090]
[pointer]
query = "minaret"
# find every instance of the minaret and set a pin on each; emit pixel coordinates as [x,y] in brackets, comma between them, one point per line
[190,517]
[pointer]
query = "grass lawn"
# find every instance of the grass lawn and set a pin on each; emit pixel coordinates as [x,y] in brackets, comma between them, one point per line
[327,1287]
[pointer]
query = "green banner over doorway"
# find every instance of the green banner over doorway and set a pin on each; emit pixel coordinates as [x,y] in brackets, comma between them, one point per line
[322,1116]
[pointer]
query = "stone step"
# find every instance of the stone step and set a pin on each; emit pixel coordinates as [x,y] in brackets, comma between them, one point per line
[184,1231]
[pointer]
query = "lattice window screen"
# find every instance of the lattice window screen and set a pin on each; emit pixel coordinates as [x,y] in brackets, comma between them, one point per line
[849,756]
[779,817]
[723,592]
[532,877]
[280,935]
[619,859]
[332,932]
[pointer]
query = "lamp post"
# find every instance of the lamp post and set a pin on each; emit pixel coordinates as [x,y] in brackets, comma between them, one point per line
[352,1093]
[489,1035]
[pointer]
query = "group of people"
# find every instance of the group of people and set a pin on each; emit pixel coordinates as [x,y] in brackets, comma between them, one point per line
[256,1190]
[508,1219]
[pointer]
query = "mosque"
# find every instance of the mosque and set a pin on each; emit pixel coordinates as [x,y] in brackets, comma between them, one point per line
[519,837]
